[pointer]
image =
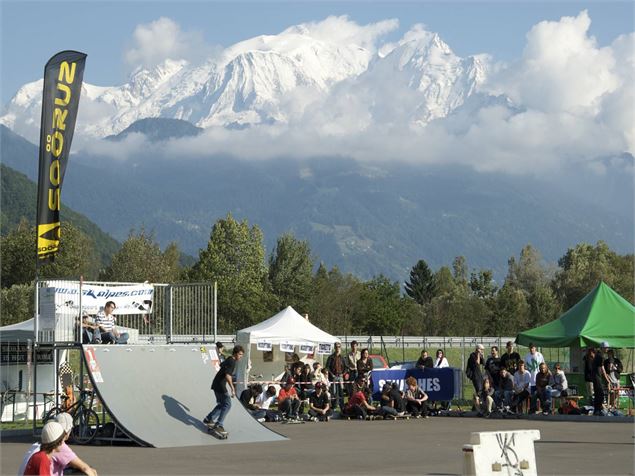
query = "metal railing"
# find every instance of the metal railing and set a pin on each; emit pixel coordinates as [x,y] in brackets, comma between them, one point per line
[173,312]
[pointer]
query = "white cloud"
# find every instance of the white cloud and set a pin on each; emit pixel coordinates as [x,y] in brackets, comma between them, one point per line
[571,102]
[154,42]
[562,68]
[339,29]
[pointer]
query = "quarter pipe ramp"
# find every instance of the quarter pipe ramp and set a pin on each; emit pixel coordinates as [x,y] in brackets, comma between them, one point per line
[159,395]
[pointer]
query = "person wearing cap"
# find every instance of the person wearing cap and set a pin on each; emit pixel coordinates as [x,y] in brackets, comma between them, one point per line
[319,404]
[64,457]
[288,400]
[40,462]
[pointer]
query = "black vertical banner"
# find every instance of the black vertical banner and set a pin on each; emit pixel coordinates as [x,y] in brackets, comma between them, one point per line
[63,76]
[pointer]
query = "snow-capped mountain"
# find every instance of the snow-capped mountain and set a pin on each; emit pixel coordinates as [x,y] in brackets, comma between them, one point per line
[272,80]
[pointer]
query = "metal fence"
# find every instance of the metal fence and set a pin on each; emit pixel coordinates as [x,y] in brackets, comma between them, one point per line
[175,312]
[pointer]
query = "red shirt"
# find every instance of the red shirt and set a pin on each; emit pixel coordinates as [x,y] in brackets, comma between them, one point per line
[284,394]
[39,464]
[357,398]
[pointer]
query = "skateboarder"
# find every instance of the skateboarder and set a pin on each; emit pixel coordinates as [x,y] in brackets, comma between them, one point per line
[223,397]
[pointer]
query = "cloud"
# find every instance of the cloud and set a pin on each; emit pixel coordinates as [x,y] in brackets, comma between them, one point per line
[562,68]
[339,29]
[154,42]
[566,102]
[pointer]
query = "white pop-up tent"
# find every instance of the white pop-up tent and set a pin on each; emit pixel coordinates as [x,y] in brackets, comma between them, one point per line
[271,344]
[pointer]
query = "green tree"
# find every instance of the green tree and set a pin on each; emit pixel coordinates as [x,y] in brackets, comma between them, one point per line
[140,259]
[291,272]
[511,313]
[380,309]
[334,301]
[482,284]
[585,265]
[17,303]
[76,256]
[421,284]
[234,258]
[459,271]
[444,283]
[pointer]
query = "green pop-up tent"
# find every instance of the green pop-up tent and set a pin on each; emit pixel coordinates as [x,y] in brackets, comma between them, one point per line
[601,316]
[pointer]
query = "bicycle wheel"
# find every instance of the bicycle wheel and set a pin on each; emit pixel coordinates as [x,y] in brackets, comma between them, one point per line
[85,425]
[51,414]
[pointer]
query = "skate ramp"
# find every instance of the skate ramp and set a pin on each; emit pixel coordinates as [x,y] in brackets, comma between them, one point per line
[159,395]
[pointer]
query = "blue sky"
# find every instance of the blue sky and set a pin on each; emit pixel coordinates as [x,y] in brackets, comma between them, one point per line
[31,33]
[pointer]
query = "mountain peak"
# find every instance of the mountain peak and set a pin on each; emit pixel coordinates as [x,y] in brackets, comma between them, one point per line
[268,79]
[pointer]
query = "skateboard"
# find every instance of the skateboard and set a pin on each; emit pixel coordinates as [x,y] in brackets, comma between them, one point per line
[217,434]
[293,422]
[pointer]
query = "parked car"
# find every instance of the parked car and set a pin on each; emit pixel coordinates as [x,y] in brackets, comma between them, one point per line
[378,361]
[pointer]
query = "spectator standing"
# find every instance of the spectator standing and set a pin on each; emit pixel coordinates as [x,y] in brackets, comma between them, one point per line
[351,365]
[336,366]
[220,349]
[510,358]
[613,368]
[599,377]
[587,362]
[365,367]
[493,366]
[440,361]
[533,359]
[474,367]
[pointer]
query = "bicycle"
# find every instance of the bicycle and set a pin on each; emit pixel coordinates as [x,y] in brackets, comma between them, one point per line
[86,422]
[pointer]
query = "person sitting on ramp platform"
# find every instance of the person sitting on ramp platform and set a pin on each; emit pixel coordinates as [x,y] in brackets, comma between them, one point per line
[223,397]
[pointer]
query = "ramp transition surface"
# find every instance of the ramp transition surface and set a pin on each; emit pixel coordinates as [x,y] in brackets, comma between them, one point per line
[159,395]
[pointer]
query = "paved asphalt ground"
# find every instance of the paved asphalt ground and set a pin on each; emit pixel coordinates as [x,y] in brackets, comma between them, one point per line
[424,447]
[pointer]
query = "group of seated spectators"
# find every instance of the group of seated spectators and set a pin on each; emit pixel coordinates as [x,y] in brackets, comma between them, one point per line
[507,382]
[314,392]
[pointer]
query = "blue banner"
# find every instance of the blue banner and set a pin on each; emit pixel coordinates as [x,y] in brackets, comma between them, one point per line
[437,383]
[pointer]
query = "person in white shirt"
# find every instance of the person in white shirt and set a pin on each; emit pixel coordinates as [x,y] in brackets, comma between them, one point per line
[532,363]
[106,321]
[440,361]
